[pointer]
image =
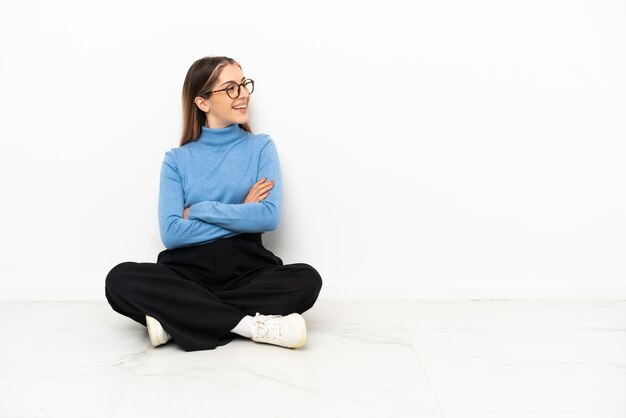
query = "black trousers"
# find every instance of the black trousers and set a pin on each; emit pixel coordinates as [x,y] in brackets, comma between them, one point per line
[199,293]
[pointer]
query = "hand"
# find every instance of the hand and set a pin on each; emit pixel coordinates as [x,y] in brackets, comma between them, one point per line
[185,212]
[259,191]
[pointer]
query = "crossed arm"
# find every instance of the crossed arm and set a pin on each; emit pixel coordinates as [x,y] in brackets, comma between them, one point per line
[257,193]
[208,220]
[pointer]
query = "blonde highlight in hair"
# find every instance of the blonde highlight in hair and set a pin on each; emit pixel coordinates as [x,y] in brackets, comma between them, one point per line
[200,79]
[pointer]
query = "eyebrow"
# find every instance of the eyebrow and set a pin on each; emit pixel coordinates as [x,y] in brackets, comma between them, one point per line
[231,81]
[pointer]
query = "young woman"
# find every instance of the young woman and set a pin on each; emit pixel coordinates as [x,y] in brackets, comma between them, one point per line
[219,191]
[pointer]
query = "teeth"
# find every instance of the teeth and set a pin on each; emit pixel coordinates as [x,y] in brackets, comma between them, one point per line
[240,107]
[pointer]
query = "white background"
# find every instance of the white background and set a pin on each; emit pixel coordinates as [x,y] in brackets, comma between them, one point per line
[468,149]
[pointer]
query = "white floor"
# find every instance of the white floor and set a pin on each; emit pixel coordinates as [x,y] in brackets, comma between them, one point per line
[471,359]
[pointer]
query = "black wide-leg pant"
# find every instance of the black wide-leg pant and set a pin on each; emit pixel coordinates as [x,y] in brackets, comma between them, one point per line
[199,293]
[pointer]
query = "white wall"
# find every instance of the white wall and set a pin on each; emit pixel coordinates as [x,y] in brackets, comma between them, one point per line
[432,150]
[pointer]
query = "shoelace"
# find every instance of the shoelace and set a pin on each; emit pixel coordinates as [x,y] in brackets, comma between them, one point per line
[263,328]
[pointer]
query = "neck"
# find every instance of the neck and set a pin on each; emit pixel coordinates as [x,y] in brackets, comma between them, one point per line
[221,136]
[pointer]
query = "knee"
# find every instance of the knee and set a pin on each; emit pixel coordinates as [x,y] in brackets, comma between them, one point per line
[311,287]
[312,278]
[115,278]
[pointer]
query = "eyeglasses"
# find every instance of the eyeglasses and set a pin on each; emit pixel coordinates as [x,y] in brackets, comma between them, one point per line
[233,90]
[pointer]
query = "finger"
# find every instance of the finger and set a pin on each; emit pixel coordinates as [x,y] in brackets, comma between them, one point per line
[256,185]
[257,193]
[262,188]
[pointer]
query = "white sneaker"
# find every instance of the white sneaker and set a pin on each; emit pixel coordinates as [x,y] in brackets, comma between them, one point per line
[156,332]
[287,331]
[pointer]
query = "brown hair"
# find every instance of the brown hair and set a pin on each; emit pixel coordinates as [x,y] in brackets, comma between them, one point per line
[200,79]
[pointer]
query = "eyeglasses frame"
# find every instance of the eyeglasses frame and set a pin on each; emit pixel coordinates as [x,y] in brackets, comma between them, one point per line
[239,86]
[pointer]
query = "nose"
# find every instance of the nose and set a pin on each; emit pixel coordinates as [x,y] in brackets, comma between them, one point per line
[243,92]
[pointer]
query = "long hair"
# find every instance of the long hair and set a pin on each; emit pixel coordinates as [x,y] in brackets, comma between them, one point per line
[201,77]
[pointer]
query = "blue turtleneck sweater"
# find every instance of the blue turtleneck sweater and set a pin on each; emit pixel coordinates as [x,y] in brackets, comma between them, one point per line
[212,176]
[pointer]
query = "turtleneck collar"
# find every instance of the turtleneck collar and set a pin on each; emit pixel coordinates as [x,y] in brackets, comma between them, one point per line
[221,136]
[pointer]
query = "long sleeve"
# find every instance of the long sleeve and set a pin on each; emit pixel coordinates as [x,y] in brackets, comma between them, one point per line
[175,230]
[248,217]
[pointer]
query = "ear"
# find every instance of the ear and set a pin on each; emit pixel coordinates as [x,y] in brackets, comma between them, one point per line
[202,104]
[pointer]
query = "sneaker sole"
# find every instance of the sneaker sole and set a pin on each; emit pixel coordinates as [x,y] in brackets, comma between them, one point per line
[302,340]
[153,331]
